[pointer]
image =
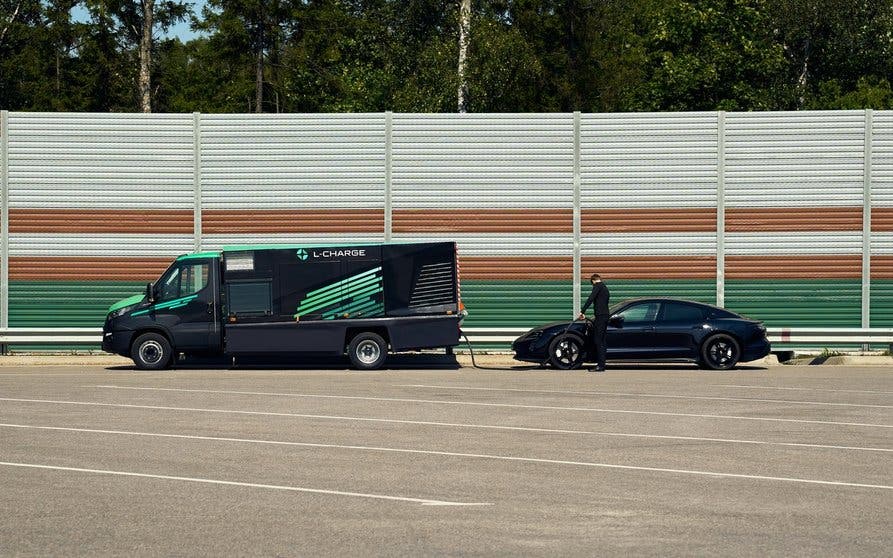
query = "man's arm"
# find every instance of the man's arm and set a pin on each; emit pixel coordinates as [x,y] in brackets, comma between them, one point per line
[586,306]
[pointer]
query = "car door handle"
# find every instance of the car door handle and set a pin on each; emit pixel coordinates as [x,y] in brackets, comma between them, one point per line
[210,308]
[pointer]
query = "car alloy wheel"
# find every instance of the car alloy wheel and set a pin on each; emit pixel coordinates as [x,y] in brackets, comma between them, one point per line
[720,352]
[566,352]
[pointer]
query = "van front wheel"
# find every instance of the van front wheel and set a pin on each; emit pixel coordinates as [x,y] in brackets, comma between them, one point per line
[151,351]
[367,351]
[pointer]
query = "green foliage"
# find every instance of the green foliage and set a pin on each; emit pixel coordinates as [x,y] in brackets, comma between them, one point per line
[401,55]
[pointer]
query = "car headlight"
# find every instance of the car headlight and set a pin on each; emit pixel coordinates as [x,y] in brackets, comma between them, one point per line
[120,312]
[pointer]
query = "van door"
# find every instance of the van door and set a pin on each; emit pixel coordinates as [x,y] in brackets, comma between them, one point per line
[187,303]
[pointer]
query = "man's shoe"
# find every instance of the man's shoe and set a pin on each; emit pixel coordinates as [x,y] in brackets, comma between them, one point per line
[597,369]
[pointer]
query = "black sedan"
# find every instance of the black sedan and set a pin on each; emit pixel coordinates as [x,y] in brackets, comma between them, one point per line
[652,329]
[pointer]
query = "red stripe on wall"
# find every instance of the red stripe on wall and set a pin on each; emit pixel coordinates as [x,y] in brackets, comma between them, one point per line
[794,267]
[650,267]
[86,269]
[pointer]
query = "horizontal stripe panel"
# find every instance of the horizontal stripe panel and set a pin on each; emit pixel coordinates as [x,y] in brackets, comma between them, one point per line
[86,269]
[218,241]
[793,267]
[482,244]
[112,245]
[794,243]
[648,220]
[701,290]
[482,160]
[882,243]
[794,159]
[648,244]
[797,303]
[783,219]
[483,220]
[73,160]
[882,159]
[65,303]
[882,219]
[516,303]
[503,268]
[308,221]
[881,268]
[882,301]
[650,267]
[143,221]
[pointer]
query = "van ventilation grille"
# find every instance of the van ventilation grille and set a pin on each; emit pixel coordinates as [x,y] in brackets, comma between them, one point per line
[434,286]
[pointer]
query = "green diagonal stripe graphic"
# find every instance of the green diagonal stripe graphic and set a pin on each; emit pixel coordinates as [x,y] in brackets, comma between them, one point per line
[343,300]
[342,282]
[333,292]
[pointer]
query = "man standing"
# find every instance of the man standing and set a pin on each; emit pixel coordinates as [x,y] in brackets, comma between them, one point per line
[600,295]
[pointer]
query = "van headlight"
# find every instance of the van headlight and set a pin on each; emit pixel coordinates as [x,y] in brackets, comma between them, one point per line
[121,311]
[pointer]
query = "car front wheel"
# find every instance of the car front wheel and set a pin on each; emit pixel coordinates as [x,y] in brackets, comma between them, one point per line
[720,352]
[566,352]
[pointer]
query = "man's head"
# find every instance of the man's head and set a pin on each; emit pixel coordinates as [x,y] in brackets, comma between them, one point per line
[595,278]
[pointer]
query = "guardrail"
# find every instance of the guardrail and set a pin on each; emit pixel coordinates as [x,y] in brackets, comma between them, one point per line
[803,335]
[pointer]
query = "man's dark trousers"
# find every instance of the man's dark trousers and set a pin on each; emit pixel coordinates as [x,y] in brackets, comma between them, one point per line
[599,339]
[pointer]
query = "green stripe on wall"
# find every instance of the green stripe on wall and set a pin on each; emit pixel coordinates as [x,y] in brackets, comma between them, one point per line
[797,303]
[701,290]
[882,303]
[516,303]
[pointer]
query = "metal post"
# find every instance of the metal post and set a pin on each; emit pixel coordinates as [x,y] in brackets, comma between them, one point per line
[4,219]
[578,264]
[866,223]
[721,208]
[388,129]
[197,179]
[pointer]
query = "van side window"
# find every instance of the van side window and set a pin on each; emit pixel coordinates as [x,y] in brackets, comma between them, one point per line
[186,279]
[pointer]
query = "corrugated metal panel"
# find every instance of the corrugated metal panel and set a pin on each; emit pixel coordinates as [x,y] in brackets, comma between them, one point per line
[120,161]
[798,303]
[790,159]
[691,289]
[648,160]
[112,245]
[516,303]
[636,244]
[882,159]
[794,243]
[218,241]
[483,161]
[65,304]
[295,161]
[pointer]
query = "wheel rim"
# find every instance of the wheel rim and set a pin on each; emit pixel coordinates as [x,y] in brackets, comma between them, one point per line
[721,352]
[566,352]
[151,352]
[368,352]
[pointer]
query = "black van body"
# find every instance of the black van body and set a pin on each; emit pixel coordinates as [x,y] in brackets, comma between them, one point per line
[365,300]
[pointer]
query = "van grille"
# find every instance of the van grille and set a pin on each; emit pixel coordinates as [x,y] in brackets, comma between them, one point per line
[434,286]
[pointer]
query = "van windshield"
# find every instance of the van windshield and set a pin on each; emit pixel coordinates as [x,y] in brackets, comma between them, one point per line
[183,279]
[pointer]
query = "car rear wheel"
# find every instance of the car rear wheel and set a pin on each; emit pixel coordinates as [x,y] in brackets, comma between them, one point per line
[566,352]
[151,351]
[720,352]
[367,351]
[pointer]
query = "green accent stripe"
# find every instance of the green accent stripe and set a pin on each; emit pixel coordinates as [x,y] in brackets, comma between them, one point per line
[370,289]
[336,291]
[199,256]
[352,307]
[341,283]
[169,305]
[795,303]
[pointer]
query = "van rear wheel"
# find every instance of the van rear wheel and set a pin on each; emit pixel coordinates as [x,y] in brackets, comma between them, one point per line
[151,351]
[367,351]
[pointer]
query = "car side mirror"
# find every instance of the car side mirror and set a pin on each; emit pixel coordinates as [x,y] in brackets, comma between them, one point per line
[616,321]
[150,292]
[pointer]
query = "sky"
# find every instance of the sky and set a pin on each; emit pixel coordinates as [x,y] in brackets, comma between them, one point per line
[180,30]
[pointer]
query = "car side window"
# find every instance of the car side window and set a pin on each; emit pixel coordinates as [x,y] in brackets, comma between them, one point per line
[644,312]
[676,313]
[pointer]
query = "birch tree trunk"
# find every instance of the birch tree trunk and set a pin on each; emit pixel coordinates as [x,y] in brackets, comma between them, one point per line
[464,28]
[145,85]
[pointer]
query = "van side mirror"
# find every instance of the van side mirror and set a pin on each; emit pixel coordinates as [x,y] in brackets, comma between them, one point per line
[150,292]
[616,321]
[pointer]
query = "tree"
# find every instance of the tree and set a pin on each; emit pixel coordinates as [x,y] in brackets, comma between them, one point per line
[464,29]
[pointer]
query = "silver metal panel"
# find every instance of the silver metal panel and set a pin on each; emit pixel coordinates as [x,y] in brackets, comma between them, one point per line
[882,159]
[784,159]
[648,160]
[521,245]
[218,241]
[113,161]
[650,244]
[483,161]
[794,243]
[294,161]
[882,243]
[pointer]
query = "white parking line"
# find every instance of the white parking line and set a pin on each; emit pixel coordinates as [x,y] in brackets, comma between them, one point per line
[422,501]
[805,389]
[501,405]
[451,424]
[439,453]
[645,395]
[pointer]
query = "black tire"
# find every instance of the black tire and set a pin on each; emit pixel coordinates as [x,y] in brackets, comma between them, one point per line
[720,352]
[367,351]
[566,352]
[151,351]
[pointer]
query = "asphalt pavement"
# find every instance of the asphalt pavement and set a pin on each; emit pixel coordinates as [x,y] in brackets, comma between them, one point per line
[262,461]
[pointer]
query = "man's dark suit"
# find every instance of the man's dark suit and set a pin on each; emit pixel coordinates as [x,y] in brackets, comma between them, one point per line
[600,295]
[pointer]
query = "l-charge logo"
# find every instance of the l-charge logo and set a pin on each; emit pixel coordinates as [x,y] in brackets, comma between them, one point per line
[329,253]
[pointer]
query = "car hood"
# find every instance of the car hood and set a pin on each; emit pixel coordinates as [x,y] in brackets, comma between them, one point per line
[129,301]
